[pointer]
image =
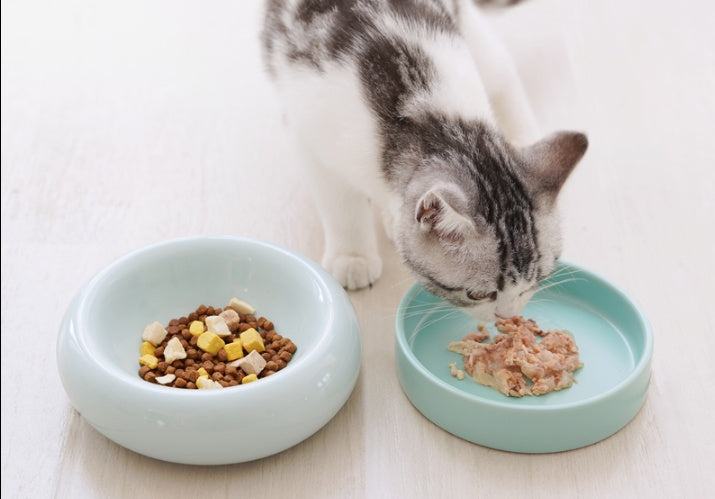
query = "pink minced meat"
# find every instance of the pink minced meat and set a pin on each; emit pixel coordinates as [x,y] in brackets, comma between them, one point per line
[516,363]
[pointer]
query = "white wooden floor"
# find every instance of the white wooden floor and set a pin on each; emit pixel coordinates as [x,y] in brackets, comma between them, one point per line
[127,123]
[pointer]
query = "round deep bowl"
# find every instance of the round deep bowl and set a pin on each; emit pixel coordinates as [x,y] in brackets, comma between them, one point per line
[98,350]
[615,345]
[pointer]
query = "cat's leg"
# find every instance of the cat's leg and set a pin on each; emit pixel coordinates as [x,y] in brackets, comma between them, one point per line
[510,103]
[351,251]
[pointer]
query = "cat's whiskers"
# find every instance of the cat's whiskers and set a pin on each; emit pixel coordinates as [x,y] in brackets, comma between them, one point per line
[559,283]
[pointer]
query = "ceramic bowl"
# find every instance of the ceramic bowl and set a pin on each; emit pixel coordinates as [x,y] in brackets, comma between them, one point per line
[615,343]
[98,350]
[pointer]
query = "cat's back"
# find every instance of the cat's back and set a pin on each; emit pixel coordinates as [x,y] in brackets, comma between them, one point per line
[316,33]
[346,70]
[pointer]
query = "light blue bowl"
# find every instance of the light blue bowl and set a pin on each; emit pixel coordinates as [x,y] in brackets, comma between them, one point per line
[615,343]
[98,350]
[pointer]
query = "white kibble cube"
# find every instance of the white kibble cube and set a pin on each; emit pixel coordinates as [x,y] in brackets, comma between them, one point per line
[166,379]
[231,317]
[241,306]
[205,383]
[174,350]
[154,333]
[217,325]
[252,363]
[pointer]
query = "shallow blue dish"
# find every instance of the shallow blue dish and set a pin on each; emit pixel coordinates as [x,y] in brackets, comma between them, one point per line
[98,350]
[615,343]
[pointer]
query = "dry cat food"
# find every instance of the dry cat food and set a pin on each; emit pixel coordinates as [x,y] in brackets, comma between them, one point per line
[516,363]
[213,348]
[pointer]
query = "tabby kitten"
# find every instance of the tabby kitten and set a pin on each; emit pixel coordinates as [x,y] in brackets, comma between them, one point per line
[415,106]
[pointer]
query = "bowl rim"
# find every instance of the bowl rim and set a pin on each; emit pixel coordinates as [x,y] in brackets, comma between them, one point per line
[82,303]
[624,384]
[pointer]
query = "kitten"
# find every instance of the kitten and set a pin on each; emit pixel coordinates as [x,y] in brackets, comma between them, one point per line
[415,106]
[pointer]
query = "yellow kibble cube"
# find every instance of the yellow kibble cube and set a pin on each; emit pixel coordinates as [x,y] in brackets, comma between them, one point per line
[252,340]
[210,342]
[249,378]
[196,328]
[203,373]
[149,360]
[146,348]
[234,350]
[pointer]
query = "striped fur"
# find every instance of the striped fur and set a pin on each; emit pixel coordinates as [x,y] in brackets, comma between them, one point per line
[473,215]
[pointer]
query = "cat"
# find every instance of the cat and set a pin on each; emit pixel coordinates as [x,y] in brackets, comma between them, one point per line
[415,106]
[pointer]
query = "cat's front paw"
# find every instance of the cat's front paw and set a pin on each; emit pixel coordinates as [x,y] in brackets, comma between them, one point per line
[354,271]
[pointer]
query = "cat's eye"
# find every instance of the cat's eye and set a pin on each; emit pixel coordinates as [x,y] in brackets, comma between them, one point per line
[477,296]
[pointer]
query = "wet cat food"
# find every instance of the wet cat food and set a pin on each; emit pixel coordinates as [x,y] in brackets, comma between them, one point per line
[213,348]
[522,359]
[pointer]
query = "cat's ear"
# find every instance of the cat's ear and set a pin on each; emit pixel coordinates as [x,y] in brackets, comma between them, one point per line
[437,216]
[550,161]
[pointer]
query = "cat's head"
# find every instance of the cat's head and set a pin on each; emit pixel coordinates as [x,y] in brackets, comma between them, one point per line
[480,229]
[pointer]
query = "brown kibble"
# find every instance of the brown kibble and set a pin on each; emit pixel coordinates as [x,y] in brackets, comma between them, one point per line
[279,350]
